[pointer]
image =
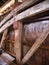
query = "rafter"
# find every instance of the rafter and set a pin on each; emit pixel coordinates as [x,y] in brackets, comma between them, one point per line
[21,7]
[39,8]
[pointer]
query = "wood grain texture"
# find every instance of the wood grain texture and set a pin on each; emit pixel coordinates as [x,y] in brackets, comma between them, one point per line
[18,42]
[3,38]
[39,8]
[35,46]
[20,7]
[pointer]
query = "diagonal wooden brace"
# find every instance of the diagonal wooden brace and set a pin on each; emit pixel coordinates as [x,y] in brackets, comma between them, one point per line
[21,7]
[36,45]
[39,8]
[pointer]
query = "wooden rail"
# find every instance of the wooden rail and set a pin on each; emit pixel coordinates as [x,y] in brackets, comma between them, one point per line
[17,9]
[39,8]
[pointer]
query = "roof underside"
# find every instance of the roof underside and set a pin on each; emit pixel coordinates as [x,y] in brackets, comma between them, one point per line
[3,2]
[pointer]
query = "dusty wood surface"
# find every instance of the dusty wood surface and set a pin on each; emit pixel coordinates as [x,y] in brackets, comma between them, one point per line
[6,59]
[39,8]
[18,42]
[3,38]
[33,30]
[2,62]
[4,9]
[36,18]
[21,7]
[36,45]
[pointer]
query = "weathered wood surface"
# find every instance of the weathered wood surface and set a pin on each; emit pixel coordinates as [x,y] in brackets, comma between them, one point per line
[21,7]
[42,18]
[36,18]
[4,9]
[20,1]
[6,59]
[36,45]
[39,8]
[2,62]
[3,38]
[18,42]
[33,30]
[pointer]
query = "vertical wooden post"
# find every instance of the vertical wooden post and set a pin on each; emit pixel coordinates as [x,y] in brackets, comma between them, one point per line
[3,37]
[18,44]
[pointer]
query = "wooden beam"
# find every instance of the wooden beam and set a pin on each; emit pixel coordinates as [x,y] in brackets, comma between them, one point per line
[39,8]
[36,18]
[18,42]
[21,7]
[12,54]
[4,8]
[3,38]
[3,62]
[20,0]
[36,45]
[42,18]
[7,59]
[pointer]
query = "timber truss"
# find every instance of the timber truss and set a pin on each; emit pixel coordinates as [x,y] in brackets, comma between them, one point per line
[39,8]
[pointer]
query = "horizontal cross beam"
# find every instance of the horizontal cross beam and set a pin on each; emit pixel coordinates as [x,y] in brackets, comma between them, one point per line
[20,7]
[39,8]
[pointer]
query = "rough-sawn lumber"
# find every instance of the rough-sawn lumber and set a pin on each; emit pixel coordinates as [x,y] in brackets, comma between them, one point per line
[21,7]
[39,8]
[36,45]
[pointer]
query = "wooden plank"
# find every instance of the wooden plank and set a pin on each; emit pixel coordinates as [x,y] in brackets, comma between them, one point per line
[21,7]
[6,59]
[33,30]
[42,18]
[18,42]
[4,8]
[35,19]
[2,62]
[20,0]
[36,45]
[39,8]
[3,38]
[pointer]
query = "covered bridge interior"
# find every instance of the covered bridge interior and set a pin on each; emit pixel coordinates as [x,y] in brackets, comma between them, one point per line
[24,32]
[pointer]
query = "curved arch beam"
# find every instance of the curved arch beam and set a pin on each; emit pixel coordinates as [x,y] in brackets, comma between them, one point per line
[6,7]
